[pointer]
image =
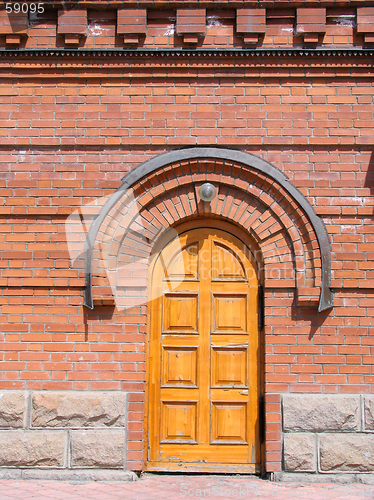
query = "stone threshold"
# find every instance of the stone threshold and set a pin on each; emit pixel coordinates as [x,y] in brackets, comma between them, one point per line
[302,477]
[79,475]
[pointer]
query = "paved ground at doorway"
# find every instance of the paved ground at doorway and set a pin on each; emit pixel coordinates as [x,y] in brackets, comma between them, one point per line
[167,487]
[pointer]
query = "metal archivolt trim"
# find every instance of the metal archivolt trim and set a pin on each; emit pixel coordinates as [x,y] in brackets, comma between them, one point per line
[164,159]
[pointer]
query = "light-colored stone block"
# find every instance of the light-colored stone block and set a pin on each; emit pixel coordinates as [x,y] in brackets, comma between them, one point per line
[78,409]
[342,478]
[347,452]
[300,452]
[369,413]
[75,475]
[318,413]
[94,448]
[32,448]
[12,408]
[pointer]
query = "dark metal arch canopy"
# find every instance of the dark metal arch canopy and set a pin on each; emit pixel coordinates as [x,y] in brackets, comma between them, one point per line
[164,159]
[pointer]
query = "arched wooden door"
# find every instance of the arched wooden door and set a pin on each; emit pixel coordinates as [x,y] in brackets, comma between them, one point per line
[203,356]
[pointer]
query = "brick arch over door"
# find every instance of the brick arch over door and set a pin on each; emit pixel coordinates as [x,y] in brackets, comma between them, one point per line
[252,194]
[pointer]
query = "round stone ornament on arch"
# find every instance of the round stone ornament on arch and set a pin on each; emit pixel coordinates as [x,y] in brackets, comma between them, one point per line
[159,194]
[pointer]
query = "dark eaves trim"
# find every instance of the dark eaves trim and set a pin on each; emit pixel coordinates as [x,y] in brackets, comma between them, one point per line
[192,4]
[198,53]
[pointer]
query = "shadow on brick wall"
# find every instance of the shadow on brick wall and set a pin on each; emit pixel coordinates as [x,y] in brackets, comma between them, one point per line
[369,180]
[100,315]
[309,319]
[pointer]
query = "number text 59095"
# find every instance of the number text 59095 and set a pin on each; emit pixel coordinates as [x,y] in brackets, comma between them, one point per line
[17,8]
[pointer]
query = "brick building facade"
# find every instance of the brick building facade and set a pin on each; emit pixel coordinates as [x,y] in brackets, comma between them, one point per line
[114,116]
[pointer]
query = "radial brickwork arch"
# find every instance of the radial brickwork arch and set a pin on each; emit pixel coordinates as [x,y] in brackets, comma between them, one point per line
[252,194]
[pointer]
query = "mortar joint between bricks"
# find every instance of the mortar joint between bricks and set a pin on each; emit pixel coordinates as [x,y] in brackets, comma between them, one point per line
[28,410]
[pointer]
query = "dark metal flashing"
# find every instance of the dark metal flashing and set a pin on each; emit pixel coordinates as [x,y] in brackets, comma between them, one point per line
[159,161]
[188,52]
[261,308]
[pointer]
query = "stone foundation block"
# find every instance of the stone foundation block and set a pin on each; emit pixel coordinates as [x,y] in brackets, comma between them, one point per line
[77,475]
[12,408]
[320,413]
[347,452]
[300,452]
[342,478]
[101,449]
[32,448]
[78,409]
[369,413]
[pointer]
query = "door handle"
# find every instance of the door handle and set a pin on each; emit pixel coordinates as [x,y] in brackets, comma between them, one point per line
[244,393]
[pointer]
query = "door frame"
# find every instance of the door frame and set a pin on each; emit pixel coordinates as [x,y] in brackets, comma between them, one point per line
[245,238]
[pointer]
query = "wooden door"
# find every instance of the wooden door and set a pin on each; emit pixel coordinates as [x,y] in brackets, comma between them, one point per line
[203,362]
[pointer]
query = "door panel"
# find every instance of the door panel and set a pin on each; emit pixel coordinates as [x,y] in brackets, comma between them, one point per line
[179,366]
[225,265]
[203,356]
[180,312]
[178,422]
[230,313]
[228,367]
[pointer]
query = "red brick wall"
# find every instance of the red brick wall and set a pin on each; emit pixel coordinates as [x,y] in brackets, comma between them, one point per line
[69,134]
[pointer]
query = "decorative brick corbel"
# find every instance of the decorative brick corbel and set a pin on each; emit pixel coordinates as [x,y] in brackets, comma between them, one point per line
[191,24]
[14,27]
[103,296]
[365,23]
[311,23]
[250,23]
[132,24]
[73,25]
[308,297]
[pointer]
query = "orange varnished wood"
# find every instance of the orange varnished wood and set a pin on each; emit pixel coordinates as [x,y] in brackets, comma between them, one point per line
[203,385]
